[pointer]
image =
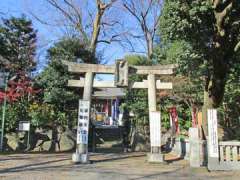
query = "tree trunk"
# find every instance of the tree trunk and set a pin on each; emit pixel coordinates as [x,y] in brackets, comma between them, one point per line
[149,42]
[214,90]
[101,7]
[96,31]
[221,54]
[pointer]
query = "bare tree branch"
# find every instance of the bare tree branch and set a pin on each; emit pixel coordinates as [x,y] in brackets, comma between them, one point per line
[141,14]
[93,24]
[132,11]
[41,20]
[101,9]
[77,23]
[113,38]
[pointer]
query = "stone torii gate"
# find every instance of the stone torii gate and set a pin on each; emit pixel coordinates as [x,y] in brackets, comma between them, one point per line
[121,70]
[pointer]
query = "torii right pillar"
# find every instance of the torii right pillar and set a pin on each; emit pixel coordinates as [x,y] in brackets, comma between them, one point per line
[155,155]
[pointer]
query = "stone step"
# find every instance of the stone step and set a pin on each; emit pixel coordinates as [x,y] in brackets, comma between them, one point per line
[108,134]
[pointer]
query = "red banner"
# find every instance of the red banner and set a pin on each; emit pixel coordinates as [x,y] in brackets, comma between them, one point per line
[174,119]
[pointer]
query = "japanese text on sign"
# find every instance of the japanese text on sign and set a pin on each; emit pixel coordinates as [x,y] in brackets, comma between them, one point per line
[83,122]
[212,133]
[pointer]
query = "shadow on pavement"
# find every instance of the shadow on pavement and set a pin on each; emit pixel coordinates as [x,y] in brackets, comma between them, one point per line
[166,173]
[29,167]
[169,161]
[114,157]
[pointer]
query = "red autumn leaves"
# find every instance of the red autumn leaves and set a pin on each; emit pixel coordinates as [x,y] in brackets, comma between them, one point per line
[19,86]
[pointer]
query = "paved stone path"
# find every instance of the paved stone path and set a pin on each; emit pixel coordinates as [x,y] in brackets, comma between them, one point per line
[131,166]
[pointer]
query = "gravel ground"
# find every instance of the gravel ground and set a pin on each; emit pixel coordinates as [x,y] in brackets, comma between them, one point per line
[132,166]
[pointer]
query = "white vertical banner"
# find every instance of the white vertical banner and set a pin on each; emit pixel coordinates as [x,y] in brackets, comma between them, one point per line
[83,122]
[212,133]
[155,128]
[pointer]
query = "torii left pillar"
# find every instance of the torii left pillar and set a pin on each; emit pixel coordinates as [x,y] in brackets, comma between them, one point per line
[81,155]
[155,155]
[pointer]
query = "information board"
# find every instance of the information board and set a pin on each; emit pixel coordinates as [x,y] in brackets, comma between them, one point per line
[24,126]
[212,133]
[83,122]
[155,128]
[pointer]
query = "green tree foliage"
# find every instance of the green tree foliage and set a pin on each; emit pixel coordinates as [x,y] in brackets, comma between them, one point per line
[203,38]
[60,101]
[16,112]
[17,53]
[211,30]
[71,49]
[229,111]
[187,91]
[18,44]
[187,86]
[136,100]
[134,59]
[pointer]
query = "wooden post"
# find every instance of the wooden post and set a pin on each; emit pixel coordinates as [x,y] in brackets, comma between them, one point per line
[93,139]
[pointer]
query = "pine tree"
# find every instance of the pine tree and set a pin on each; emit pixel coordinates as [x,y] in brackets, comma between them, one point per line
[18,44]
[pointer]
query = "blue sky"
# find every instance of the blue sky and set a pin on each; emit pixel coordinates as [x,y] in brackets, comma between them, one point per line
[47,35]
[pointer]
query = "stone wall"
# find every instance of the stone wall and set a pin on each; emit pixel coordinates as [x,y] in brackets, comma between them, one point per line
[40,141]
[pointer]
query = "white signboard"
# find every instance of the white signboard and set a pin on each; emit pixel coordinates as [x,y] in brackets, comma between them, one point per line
[24,126]
[155,129]
[120,119]
[212,133]
[193,133]
[83,122]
